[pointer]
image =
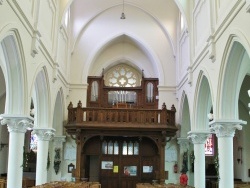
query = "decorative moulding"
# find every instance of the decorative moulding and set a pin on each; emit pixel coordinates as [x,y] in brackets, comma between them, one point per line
[211,48]
[17,123]
[248,6]
[35,43]
[190,75]
[198,137]
[226,127]
[183,142]
[44,134]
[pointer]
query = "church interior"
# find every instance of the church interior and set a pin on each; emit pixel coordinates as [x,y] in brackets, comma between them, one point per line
[124,93]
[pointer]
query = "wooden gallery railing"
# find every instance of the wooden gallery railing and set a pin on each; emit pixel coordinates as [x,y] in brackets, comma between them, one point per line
[93,115]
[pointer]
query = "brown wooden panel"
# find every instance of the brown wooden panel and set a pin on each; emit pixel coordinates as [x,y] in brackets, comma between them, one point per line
[148,156]
[93,146]
[148,148]
[140,91]
[129,182]
[109,182]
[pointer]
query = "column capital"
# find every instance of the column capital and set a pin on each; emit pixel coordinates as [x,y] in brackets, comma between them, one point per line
[17,123]
[44,134]
[198,137]
[58,140]
[226,128]
[183,142]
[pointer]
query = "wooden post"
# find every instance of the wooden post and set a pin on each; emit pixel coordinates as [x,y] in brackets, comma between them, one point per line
[78,155]
[162,145]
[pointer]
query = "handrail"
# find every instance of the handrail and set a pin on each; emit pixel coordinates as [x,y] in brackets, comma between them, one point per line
[80,115]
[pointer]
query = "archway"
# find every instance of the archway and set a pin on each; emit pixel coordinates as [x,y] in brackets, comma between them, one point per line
[12,90]
[58,114]
[185,146]
[41,100]
[4,138]
[241,140]
[58,138]
[234,69]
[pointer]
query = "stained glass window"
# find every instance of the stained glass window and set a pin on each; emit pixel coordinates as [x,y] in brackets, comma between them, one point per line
[94,91]
[110,147]
[123,75]
[116,148]
[33,142]
[130,148]
[125,148]
[209,146]
[150,92]
[136,148]
[104,147]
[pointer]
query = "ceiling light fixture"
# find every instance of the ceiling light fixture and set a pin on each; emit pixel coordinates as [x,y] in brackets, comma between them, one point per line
[123,15]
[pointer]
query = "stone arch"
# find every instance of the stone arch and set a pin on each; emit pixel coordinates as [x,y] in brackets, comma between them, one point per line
[232,73]
[41,99]
[141,46]
[58,113]
[14,75]
[185,116]
[202,103]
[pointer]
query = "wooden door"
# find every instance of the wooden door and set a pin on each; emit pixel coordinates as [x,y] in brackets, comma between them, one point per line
[124,162]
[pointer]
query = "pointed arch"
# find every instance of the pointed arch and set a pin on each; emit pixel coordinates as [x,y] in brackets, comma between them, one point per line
[184,116]
[202,102]
[41,99]
[58,113]
[141,45]
[232,73]
[15,74]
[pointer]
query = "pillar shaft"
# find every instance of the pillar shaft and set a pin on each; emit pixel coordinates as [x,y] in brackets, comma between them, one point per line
[44,135]
[225,130]
[57,144]
[41,165]
[199,139]
[15,169]
[199,166]
[17,126]
[225,145]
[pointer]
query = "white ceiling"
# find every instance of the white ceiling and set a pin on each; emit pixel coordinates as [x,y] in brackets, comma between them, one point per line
[147,38]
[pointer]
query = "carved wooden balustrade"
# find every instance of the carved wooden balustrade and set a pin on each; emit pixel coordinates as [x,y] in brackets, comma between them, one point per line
[92,115]
[92,124]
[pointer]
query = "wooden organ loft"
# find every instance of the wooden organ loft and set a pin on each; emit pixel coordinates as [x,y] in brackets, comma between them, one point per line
[121,134]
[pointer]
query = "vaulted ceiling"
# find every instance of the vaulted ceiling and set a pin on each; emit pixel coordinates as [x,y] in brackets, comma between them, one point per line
[146,39]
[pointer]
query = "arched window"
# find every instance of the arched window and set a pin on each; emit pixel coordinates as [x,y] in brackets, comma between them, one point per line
[110,148]
[125,148]
[104,147]
[150,92]
[116,148]
[209,146]
[94,91]
[123,76]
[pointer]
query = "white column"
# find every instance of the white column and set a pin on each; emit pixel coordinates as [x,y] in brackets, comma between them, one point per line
[184,146]
[43,137]
[17,126]
[199,138]
[57,143]
[224,130]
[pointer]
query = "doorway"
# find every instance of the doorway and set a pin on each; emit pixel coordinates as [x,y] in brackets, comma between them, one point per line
[121,161]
